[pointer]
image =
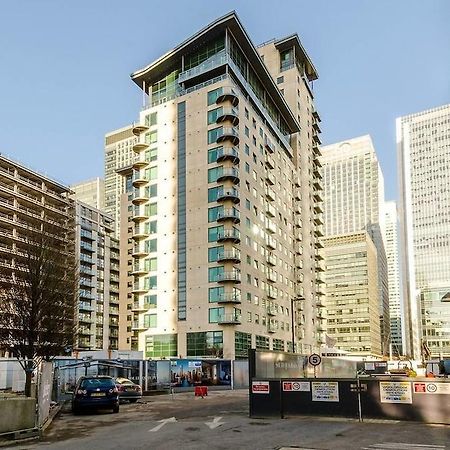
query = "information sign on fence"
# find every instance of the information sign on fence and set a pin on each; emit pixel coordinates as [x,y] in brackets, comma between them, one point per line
[395,392]
[325,391]
[301,386]
[260,387]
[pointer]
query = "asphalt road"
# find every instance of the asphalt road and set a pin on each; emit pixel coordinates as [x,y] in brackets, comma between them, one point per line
[220,421]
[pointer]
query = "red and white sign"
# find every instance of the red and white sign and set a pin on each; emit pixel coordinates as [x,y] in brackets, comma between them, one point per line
[431,388]
[299,386]
[260,387]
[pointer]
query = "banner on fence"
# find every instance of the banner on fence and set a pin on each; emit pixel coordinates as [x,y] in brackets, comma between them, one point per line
[395,392]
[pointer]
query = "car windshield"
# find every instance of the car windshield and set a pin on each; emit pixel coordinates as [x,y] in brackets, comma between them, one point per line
[124,381]
[94,383]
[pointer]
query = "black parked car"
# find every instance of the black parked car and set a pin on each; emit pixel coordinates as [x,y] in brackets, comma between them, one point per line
[128,390]
[95,392]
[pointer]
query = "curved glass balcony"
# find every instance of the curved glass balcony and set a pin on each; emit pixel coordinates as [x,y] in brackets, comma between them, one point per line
[230,154]
[138,129]
[228,95]
[228,134]
[228,115]
[229,174]
[234,277]
[228,194]
[233,256]
[232,235]
[229,214]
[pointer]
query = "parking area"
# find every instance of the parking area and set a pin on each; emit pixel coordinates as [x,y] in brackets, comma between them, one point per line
[220,421]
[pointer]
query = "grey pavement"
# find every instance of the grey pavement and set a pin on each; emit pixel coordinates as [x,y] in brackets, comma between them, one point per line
[220,421]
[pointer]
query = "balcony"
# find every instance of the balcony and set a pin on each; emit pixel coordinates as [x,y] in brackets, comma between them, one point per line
[229,214]
[297,194]
[298,235]
[316,127]
[139,178]
[138,326]
[316,171]
[320,266]
[228,115]
[316,139]
[139,213]
[140,161]
[271,259]
[85,306]
[318,207]
[270,162]
[228,154]
[271,276]
[300,293]
[297,209]
[317,196]
[234,276]
[139,232]
[230,297]
[269,146]
[317,183]
[87,247]
[139,269]
[320,278]
[140,196]
[138,129]
[271,328]
[270,210]
[139,250]
[271,293]
[230,235]
[270,226]
[271,310]
[318,243]
[228,194]
[298,222]
[318,255]
[316,116]
[318,219]
[138,307]
[139,146]
[228,134]
[270,194]
[139,288]
[233,256]
[271,243]
[229,319]
[318,231]
[228,95]
[316,151]
[270,178]
[230,174]
[320,301]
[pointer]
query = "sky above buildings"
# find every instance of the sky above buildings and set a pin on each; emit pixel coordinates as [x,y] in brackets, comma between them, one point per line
[64,68]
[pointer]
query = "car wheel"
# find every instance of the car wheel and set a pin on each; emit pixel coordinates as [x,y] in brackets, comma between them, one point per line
[116,409]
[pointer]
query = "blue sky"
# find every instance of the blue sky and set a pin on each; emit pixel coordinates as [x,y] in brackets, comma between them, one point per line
[65,65]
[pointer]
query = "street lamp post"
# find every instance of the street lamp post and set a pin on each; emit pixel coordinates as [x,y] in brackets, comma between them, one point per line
[296,299]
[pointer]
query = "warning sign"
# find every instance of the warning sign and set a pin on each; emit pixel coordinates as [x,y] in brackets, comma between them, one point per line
[432,388]
[395,392]
[325,391]
[300,386]
[260,387]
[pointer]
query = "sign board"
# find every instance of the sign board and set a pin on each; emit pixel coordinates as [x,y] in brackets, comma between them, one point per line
[432,388]
[260,387]
[325,391]
[314,359]
[395,392]
[299,386]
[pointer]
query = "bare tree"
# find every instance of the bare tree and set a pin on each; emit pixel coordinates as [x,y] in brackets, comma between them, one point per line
[37,306]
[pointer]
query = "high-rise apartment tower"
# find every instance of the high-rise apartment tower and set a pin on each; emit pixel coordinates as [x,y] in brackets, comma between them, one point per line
[226,201]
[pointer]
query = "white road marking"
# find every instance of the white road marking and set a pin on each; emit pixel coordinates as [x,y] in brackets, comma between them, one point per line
[162,423]
[215,423]
[403,446]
